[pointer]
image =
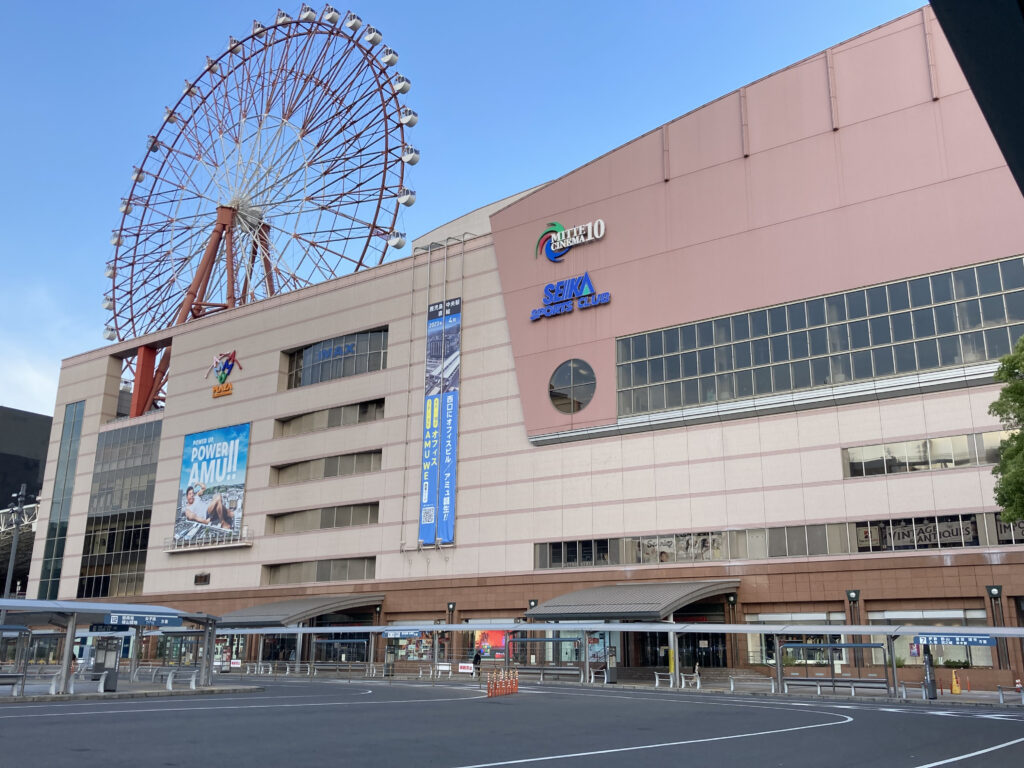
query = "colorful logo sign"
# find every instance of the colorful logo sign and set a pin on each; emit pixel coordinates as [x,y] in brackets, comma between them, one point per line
[555,241]
[223,365]
[564,296]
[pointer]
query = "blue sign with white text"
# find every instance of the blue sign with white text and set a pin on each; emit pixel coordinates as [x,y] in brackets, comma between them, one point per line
[566,295]
[954,640]
[141,620]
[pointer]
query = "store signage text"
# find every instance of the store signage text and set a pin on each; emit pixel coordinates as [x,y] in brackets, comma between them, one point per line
[563,297]
[223,365]
[555,241]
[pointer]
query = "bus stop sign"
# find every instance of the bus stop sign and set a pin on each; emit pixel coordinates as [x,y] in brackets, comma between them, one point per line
[142,620]
[954,640]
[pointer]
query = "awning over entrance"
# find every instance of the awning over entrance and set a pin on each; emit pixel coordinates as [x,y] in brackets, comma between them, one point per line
[630,602]
[286,613]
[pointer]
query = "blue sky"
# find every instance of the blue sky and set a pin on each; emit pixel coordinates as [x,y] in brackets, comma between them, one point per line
[88,82]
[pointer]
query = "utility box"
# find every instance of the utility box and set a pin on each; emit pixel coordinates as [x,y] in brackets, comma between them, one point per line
[107,659]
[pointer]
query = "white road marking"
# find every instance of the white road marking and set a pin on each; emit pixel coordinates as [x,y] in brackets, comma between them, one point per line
[958,758]
[846,719]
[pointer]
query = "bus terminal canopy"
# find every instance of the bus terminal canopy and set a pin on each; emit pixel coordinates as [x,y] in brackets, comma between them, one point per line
[288,613]
[57,612]
[630,602]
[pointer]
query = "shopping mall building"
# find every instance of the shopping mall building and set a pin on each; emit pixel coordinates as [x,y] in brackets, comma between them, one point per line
[741,365]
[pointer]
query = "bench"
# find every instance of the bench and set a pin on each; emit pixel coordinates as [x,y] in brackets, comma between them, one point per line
[664,677]
[259,668]
[14,679]
[853,683]
[296,667]
[1009,688]
[595,673]
[749,680]
[693,680]
[573,673]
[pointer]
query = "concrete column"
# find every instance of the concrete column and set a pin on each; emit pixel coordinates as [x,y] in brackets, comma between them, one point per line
[69,647]
[673,659]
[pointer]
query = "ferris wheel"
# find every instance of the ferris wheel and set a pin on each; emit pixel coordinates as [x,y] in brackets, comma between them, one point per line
[281,165]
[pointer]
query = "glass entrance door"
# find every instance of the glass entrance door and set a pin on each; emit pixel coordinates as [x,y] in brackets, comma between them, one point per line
[702,648]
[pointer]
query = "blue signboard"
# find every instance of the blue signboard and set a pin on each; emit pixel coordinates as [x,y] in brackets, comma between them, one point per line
[401,634]
[141,620]
[440,422]
[954,640]
[212,484]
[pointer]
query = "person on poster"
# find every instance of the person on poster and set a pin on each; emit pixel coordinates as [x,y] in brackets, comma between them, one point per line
[213,512]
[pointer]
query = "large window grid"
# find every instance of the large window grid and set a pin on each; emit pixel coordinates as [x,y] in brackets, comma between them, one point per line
[862,537]
[328,418]
[328,466]
[972,450]
[953,318]
[339,357]
[323,518]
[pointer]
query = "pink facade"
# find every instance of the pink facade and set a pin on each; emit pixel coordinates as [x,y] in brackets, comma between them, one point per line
[867,163]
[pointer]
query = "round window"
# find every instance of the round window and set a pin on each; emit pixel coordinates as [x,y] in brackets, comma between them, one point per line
[572,386]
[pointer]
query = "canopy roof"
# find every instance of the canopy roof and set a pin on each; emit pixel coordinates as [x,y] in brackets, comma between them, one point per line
[634,602]
[285,613]
[33,612]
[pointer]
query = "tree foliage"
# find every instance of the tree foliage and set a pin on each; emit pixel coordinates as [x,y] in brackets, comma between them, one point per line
[1009,409]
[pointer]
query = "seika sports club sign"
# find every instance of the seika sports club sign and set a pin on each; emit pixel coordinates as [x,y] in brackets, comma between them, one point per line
[565,296]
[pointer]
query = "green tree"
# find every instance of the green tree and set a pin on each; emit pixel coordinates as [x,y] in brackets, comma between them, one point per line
[1009,409]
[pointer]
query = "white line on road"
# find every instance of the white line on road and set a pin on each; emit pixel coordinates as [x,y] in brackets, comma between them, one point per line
[845,719]
[958,758]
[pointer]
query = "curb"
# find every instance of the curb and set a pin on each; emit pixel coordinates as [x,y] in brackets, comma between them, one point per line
[130,695]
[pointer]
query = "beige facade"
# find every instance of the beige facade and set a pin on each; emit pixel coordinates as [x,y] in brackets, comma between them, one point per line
[809,183]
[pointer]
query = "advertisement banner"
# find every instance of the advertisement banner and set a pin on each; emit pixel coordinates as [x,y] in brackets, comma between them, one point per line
[212,484]
[440,422]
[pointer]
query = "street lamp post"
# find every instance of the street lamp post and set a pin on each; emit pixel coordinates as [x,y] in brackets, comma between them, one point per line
[995,595]
[451,635]
[853,595]
[18,516]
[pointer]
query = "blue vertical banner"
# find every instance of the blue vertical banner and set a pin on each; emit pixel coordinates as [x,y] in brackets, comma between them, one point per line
[440,422]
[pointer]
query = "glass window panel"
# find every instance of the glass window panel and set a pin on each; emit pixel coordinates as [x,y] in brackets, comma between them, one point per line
[762,351]
[991,442]
[821,372]
[757,544]
[895,458]
[780,378]
[673,367]
[1015,306]
[707,389]
[656,370]
[881,359]
[763,381]
[723,331]
[622,350]
[656,397]
[706,360]
[819,341]
[902,328]
[927,354]
[776,542]
[796,541]
[798,345]
[744,384]
[740,327]
[741,354]
[797,316]
[874,459]
[691,392]
[841,370]
[723,358]
[862,364]
[838,338]
[724,383]
[940,452]
[673,395]
[838,538]
[942,287]
[997,343]
[639,373]
[945,319]
[654,345]
[688,335]
[737,545]
[917,455]
[815,312]
[705,334]
[801,374]
[625,403]
[853,462]
[899,298]
[880,330]
[758,323]
[992,311]
[988,279]
[622,376]
[639,346]
[964,283]
[1016,332]
[1012,271]
[961,451]
[641,402]
[878,302]
[924,323]
[856,304]
[670,341]
[972,346]
[949,350]
[777,319]
[780,348]
[920,292]
[905,360]
[859,336]
[689,364]
[835,309]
